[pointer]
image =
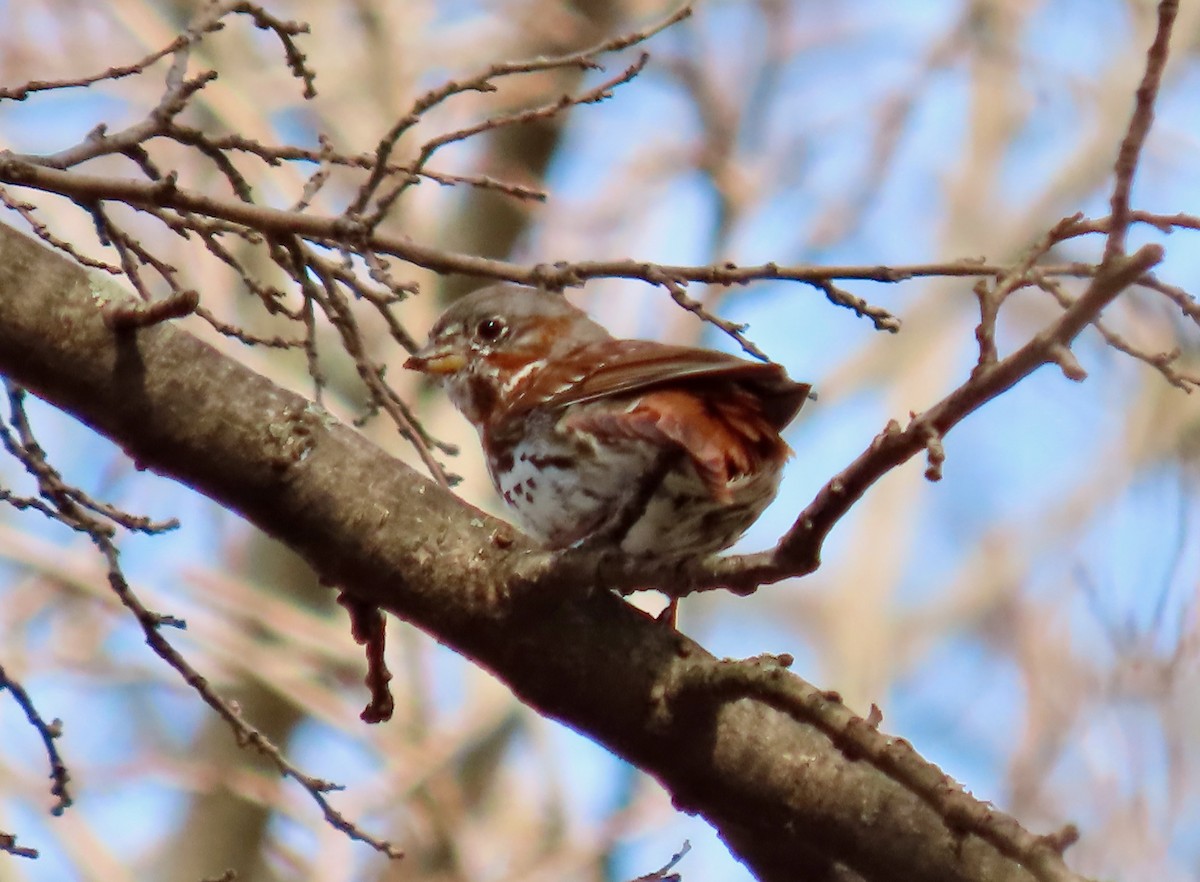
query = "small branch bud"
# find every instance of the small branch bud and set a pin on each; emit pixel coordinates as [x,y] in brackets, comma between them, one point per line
[128,314]
[1066,360]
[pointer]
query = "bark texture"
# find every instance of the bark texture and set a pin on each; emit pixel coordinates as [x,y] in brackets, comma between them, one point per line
[785,798]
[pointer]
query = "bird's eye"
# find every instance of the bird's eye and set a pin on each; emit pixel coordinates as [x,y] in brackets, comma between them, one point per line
[491,329]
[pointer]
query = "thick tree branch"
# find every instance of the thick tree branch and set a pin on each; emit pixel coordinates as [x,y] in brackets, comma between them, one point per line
[790,795]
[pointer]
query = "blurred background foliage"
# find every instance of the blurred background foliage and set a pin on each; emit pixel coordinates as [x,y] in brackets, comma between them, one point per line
[1029,623]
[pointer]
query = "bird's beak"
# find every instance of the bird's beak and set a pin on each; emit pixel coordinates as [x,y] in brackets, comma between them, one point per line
[436,362]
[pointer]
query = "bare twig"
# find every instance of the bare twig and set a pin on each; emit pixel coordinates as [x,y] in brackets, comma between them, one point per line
[128,315]
[663,873]
[26,211]
[1139,128]
[50,732]
[71,507]
[798,553]
[384,203]
[1163,362]
[21,171]
[8,845]
[368,625]
[768,681]
[303,265]
[482,82]
[991,299]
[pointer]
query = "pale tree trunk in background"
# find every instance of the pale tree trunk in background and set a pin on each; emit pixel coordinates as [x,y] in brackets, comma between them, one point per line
[749,95]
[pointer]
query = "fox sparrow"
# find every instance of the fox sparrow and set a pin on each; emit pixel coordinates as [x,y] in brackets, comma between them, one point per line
[654,449]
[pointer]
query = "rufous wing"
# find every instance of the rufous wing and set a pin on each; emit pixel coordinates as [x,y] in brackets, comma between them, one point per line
[723,412]
[616,367]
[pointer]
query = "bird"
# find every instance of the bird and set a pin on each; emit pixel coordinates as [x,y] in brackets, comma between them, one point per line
[592,441]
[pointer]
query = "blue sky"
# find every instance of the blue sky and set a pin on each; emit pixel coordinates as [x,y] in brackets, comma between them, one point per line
[962,699]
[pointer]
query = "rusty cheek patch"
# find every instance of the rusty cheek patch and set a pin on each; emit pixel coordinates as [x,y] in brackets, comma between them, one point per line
[484,395]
